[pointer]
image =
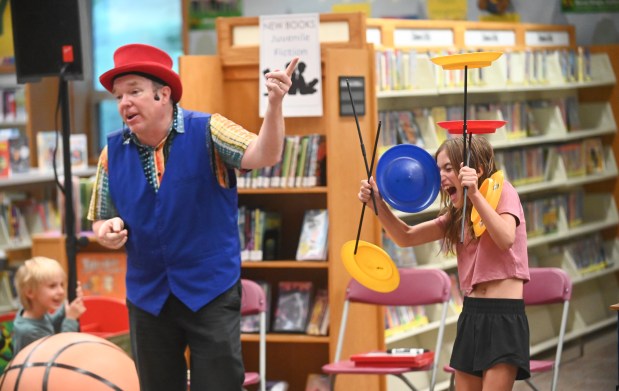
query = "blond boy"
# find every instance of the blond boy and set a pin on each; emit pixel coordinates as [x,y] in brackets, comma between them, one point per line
[41,286]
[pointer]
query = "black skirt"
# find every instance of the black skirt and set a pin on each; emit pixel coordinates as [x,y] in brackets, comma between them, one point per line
[491,332]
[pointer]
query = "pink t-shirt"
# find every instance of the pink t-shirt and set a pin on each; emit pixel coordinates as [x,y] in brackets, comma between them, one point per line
[481,260]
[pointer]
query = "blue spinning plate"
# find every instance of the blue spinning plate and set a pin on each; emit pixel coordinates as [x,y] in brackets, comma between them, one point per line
[408,178]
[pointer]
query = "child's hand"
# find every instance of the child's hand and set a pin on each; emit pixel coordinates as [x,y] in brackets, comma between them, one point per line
[76,308]
[468,178]
[366,189]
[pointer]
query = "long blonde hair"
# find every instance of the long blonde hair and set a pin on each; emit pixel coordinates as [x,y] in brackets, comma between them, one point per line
[482,159]
[34,272]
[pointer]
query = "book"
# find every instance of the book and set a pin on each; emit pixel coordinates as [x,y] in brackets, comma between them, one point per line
[384,359]
[271,238]
[5,159]
[320,311]
[317,382]
[102,273]
[594,155]
[19,151]
[293,305]
[78,143]
[313,239]
[8,302]
[49,150]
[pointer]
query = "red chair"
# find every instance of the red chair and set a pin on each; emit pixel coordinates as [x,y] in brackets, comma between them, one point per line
[417,287]
[548,285]
[107,317]
[254,302]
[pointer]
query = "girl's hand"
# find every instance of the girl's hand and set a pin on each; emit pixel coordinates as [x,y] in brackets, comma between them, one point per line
[468,178]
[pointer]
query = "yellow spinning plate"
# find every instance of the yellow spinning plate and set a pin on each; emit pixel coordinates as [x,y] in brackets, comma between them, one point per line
[372,267]
[491,189]
[470,60]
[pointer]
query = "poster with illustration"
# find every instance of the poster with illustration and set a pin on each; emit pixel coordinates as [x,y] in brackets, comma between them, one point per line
[283,37]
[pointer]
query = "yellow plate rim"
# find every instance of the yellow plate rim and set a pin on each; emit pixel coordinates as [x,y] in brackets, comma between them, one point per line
[365,279]
[492,195]
[472,60]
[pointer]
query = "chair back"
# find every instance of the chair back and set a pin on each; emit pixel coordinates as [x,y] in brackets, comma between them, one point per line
[417,287]
[253,300]
[547,285]
[104,315]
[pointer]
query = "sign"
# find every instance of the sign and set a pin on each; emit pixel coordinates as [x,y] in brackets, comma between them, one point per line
[283,37]
[423,37]
[373,35]
[590,5]
[489,38]
[357,90]
[547,38]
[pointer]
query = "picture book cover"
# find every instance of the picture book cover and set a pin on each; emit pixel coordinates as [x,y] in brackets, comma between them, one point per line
[313,240]
[320,309]
[102,273]
[293,306]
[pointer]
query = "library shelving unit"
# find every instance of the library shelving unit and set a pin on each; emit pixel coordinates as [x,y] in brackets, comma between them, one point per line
[228,83]
[31,109]
[512,79]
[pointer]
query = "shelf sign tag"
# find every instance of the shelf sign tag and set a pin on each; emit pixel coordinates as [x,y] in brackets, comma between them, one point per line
[283,37]
[357,90]
[502,38]
[423,37]
[372,35]
[547,38]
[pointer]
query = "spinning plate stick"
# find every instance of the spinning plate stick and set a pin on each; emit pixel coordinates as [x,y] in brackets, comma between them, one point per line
[464,61]
[466,154]
[372,192]
[368,169]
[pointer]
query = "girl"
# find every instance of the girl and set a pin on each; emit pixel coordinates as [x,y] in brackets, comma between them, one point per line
[491,349]
[40,283]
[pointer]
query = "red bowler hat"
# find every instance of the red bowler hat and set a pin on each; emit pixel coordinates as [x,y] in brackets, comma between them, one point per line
[146,60]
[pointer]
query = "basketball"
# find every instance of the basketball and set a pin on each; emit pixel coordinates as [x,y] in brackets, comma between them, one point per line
[70,362]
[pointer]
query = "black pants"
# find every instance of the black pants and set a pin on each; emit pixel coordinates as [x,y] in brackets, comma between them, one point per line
[212,333]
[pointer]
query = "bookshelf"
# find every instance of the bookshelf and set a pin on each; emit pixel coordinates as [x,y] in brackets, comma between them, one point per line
[33,111]
[236,69]
[595,287]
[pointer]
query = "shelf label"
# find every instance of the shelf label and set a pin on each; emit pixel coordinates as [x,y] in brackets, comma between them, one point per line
[423,37]
[357,90]
[547,38]
[490,38]
[372,35]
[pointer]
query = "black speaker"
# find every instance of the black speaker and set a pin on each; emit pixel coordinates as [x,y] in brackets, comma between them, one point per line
[46,37]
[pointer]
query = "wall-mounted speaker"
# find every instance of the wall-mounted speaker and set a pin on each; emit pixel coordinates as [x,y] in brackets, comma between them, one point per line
[46,37]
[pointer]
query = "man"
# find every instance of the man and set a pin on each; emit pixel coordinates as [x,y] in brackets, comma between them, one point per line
[165,190]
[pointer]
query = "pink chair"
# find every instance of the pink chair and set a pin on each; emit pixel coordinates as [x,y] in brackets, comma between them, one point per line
[417,287]
[548,285]
[253,302]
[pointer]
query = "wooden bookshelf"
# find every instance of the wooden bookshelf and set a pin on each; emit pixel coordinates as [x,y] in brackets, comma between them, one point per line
[219,84]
